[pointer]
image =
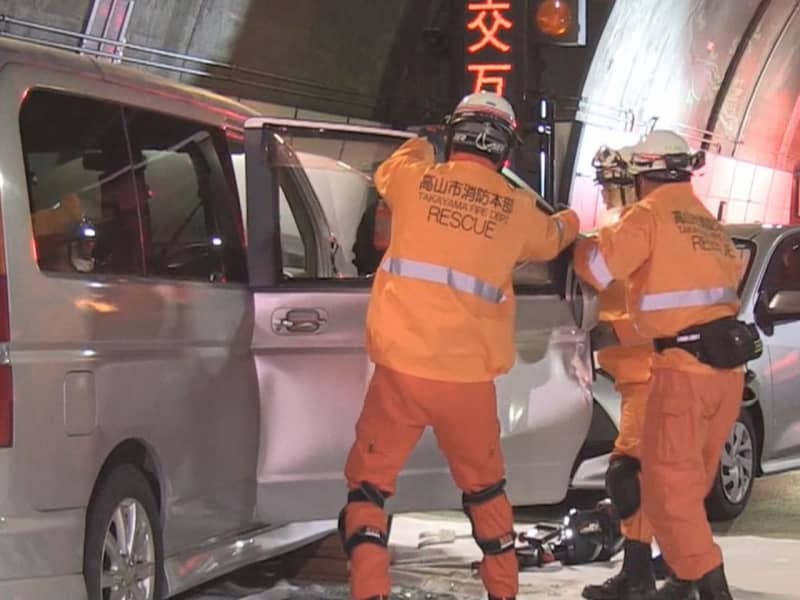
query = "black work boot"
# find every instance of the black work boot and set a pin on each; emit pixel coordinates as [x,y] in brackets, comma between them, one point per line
[714,585]
[633,582]
[676,589]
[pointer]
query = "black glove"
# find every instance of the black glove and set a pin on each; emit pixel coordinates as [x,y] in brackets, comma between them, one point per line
[436,135]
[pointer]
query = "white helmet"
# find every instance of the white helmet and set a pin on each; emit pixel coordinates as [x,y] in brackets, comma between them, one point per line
[612,171]
[664,155]
[611,166]
[483,123]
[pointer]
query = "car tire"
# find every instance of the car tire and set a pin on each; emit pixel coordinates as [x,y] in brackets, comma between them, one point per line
[123,501]
[736,474]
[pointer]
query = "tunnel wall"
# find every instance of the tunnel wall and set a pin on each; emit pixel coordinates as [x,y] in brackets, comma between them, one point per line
[725,73]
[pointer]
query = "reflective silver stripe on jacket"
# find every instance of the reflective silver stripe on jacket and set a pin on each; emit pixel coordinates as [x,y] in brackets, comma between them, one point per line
[445,275]
[687,298]
[599,268]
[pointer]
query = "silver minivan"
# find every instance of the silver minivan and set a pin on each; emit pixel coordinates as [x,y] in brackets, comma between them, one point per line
[183,289]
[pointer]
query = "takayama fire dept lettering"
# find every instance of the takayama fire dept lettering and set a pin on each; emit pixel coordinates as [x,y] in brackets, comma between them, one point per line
[706,233]
[458,205]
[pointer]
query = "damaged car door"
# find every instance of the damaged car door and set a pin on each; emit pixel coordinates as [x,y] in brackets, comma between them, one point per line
[313,219]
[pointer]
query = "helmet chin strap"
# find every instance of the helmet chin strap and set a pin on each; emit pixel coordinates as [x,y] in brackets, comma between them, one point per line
[618,196]
[629,195]
[637,185]
[503,159]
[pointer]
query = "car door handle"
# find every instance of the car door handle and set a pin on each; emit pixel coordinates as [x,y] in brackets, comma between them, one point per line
[299,320]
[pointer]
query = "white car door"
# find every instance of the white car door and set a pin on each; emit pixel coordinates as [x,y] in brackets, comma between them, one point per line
[782,345]
[308,338]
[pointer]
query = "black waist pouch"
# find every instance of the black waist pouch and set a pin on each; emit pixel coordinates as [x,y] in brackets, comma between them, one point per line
[722,344]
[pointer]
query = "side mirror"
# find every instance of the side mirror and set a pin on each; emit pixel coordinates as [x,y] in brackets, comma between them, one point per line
[784,306]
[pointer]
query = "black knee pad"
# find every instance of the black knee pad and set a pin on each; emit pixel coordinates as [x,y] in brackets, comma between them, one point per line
[484,495]
[622,485]
[364,535]
[499,545]
[367,492]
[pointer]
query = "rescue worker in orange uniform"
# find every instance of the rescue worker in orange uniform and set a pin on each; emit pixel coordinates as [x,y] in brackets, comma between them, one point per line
[65,238]
[682,272]
[628,363]
[440,328]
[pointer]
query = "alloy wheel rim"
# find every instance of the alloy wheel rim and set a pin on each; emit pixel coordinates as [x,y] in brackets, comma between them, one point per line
[128,555]
[738,460]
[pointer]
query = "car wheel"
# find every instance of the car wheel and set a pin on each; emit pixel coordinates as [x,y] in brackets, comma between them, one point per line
[736,473]
[123,546]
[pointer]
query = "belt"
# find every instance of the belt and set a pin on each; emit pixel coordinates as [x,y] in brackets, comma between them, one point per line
[688,339]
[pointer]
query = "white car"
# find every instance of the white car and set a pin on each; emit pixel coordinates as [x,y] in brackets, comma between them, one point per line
[766,438]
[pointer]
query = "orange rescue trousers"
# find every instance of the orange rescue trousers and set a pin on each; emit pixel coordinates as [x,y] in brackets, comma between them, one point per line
[689,416]
[629,365]
[397,408]
[629,443]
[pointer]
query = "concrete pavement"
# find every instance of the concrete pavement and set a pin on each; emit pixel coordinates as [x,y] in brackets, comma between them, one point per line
[761,548]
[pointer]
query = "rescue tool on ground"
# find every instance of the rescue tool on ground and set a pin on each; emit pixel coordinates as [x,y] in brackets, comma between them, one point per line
[583,536]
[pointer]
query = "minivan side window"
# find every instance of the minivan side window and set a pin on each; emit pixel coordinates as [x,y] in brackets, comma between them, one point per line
[783,271]
[298,259]
[190,214]
[334,171]
[80,185]
[340,165]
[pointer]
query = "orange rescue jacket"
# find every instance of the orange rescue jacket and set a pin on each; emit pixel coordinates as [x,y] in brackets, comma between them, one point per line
[629,362]
[682,267]
[442,304]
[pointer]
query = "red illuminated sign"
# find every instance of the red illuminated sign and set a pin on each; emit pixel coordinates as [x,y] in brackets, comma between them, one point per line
[487,76]
[489,33]
[488,46]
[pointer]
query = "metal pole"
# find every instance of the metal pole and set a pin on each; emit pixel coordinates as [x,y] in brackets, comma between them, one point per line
[546,131]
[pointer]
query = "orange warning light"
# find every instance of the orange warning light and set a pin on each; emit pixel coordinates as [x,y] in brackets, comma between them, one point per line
[553,17]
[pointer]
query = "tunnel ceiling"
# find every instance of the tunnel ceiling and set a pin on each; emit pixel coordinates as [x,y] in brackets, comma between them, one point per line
[359,57]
